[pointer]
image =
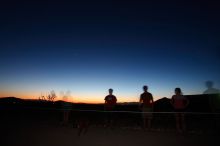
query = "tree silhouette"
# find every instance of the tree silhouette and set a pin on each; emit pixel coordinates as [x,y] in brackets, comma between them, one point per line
[51,96]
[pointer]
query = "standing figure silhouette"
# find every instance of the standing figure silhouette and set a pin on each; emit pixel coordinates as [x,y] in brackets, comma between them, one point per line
[146,105]
[214,103]
[110,103]
[179,103]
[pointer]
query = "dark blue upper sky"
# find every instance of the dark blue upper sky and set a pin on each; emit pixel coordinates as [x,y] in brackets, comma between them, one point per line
[89,46]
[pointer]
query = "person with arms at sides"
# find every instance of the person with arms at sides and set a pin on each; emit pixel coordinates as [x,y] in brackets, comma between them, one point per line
[146,105]
[110,103]
[179,103]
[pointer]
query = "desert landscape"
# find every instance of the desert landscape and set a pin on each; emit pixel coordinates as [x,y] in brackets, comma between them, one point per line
[31,122]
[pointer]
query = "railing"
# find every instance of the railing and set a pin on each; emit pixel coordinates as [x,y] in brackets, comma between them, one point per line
[195,121]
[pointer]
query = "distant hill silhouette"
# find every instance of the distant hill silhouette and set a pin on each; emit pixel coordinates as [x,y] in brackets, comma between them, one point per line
[198,103]
[163,105]
[11,101]
[39,111]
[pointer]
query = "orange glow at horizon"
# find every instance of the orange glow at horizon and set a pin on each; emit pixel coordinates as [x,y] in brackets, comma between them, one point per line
[75,99]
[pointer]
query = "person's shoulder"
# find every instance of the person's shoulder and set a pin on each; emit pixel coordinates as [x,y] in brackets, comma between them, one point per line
[211,91]
[114,97]
[180,96]
[106,97]
[148,94]
[173,96]
[143,95]
[206,92]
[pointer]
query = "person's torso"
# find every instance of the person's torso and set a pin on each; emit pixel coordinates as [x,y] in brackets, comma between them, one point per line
[179,102]
[110,100]
[211,91]
[147,99]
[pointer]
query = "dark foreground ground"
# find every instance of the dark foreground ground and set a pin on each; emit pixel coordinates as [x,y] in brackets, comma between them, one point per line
[32,129]
[43,134]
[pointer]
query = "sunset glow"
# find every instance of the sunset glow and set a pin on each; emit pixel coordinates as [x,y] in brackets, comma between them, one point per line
[87,49]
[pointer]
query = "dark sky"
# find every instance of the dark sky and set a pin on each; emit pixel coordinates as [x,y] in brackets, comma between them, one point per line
[89,46]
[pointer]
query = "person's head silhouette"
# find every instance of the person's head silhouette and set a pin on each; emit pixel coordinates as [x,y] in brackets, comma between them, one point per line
[210,88]
[145,88]
[178,91]
[110,91]
[209,84]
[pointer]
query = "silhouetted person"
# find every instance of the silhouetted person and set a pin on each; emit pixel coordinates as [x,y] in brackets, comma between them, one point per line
[214,103]
[67,107]
[210,88]
[179,103]
[146,105]
[110,103]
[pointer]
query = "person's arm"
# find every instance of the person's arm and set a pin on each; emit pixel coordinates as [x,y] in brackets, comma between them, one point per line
[152,100]
[105,99]
[140,102]
[105,103]
[115,100]
[141,99]
[151,96]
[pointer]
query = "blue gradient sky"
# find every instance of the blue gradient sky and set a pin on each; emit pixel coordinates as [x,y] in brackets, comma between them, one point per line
[89,47]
